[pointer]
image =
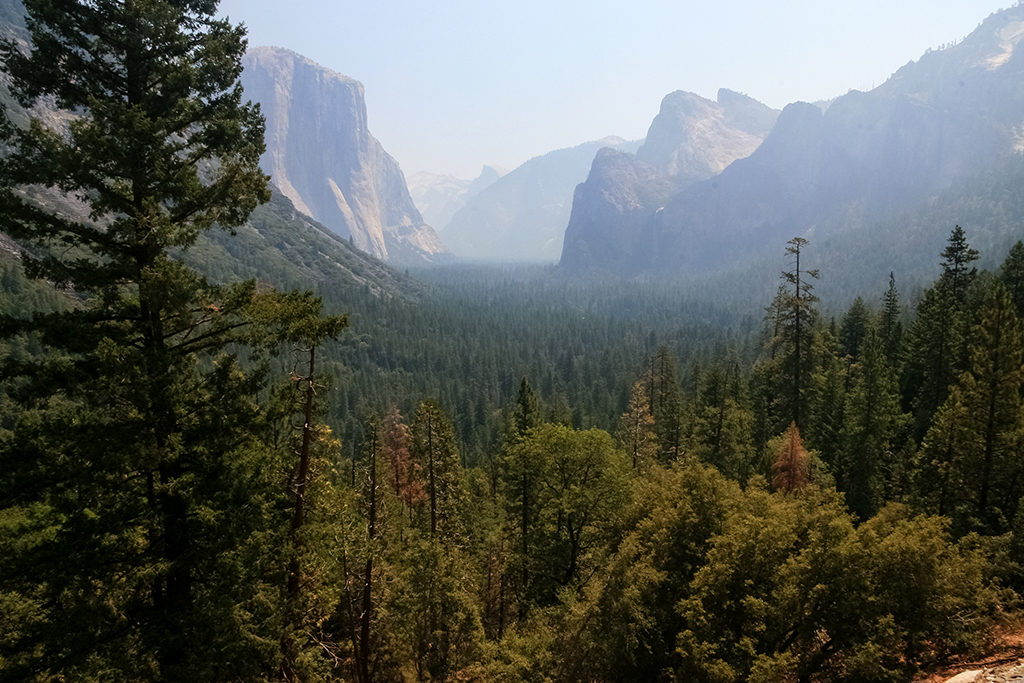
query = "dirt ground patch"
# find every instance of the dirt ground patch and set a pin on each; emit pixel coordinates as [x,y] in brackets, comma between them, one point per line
[1004,663]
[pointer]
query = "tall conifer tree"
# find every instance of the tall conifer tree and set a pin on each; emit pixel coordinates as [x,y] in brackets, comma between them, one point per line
[873,418]
[143,456]
[970,466]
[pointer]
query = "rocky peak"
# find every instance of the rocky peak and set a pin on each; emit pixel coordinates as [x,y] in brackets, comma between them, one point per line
[611,214]
[693,138]
[322,156]
[488,176]
[747,114]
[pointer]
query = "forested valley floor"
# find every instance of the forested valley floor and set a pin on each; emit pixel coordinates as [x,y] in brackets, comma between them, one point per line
[210,474]
[513,476]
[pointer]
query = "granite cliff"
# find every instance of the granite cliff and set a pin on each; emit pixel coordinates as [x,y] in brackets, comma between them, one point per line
[321,155]
[937,122]
[691,139]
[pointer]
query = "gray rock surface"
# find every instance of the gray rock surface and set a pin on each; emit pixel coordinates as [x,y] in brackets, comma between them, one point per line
[320,153]
[611,214]
[1005,673]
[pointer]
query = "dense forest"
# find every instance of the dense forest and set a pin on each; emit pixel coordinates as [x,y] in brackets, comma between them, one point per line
[210,474]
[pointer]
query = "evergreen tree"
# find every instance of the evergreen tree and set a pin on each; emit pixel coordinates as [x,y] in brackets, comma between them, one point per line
[798,316]
[666,403]
[143,455]
[404,479]
[434,450]
[782,380]
[957,257]
[853,328]
[306,475]
[970,458]
[636,430]
[1012,275]
[930,354]
[527,413]
[872,424]
[723,425]
[890,325]
[578,483]
[828,389]
[791,469]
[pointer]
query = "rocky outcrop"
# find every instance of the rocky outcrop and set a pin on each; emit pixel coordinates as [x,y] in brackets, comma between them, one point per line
[952,115]
[522,216]
[320,153]
[439,197]
[693,138]
[612,212]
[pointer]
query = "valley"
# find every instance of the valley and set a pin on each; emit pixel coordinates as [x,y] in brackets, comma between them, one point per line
[739,401]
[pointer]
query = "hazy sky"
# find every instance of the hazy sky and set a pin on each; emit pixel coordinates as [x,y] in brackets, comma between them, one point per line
[453,85]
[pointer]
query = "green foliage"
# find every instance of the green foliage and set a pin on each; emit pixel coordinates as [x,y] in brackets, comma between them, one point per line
[890,324]
[433,449]
[792,589]
[723,424]
[635,435]
[439,624]
[869,468]
[853,328]
[564,487]
[142,442]
[969,466]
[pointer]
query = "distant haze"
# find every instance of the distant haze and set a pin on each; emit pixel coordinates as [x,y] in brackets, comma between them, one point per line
[456,85]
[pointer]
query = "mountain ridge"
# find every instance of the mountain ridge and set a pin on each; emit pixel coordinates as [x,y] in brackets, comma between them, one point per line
[934,122]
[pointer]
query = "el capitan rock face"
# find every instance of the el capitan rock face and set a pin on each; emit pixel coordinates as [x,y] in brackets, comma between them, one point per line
[949,116]
[321,155]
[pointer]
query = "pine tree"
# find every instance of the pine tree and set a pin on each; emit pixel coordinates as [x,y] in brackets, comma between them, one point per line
[890,325]
[853,328]
[527,413]
[828,387]
[872,424]
[723,425]
[937,344]
[792,318]
[666,403]
[636,430]
[434,451]
[930,354]
[992,396]
[969,458]
[1012,275]
[404,479]
[791,469]
[143,453]
[957,257]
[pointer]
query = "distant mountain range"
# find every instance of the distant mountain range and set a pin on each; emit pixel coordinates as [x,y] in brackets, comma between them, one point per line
[870,156]
[438,197]
[522,215]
